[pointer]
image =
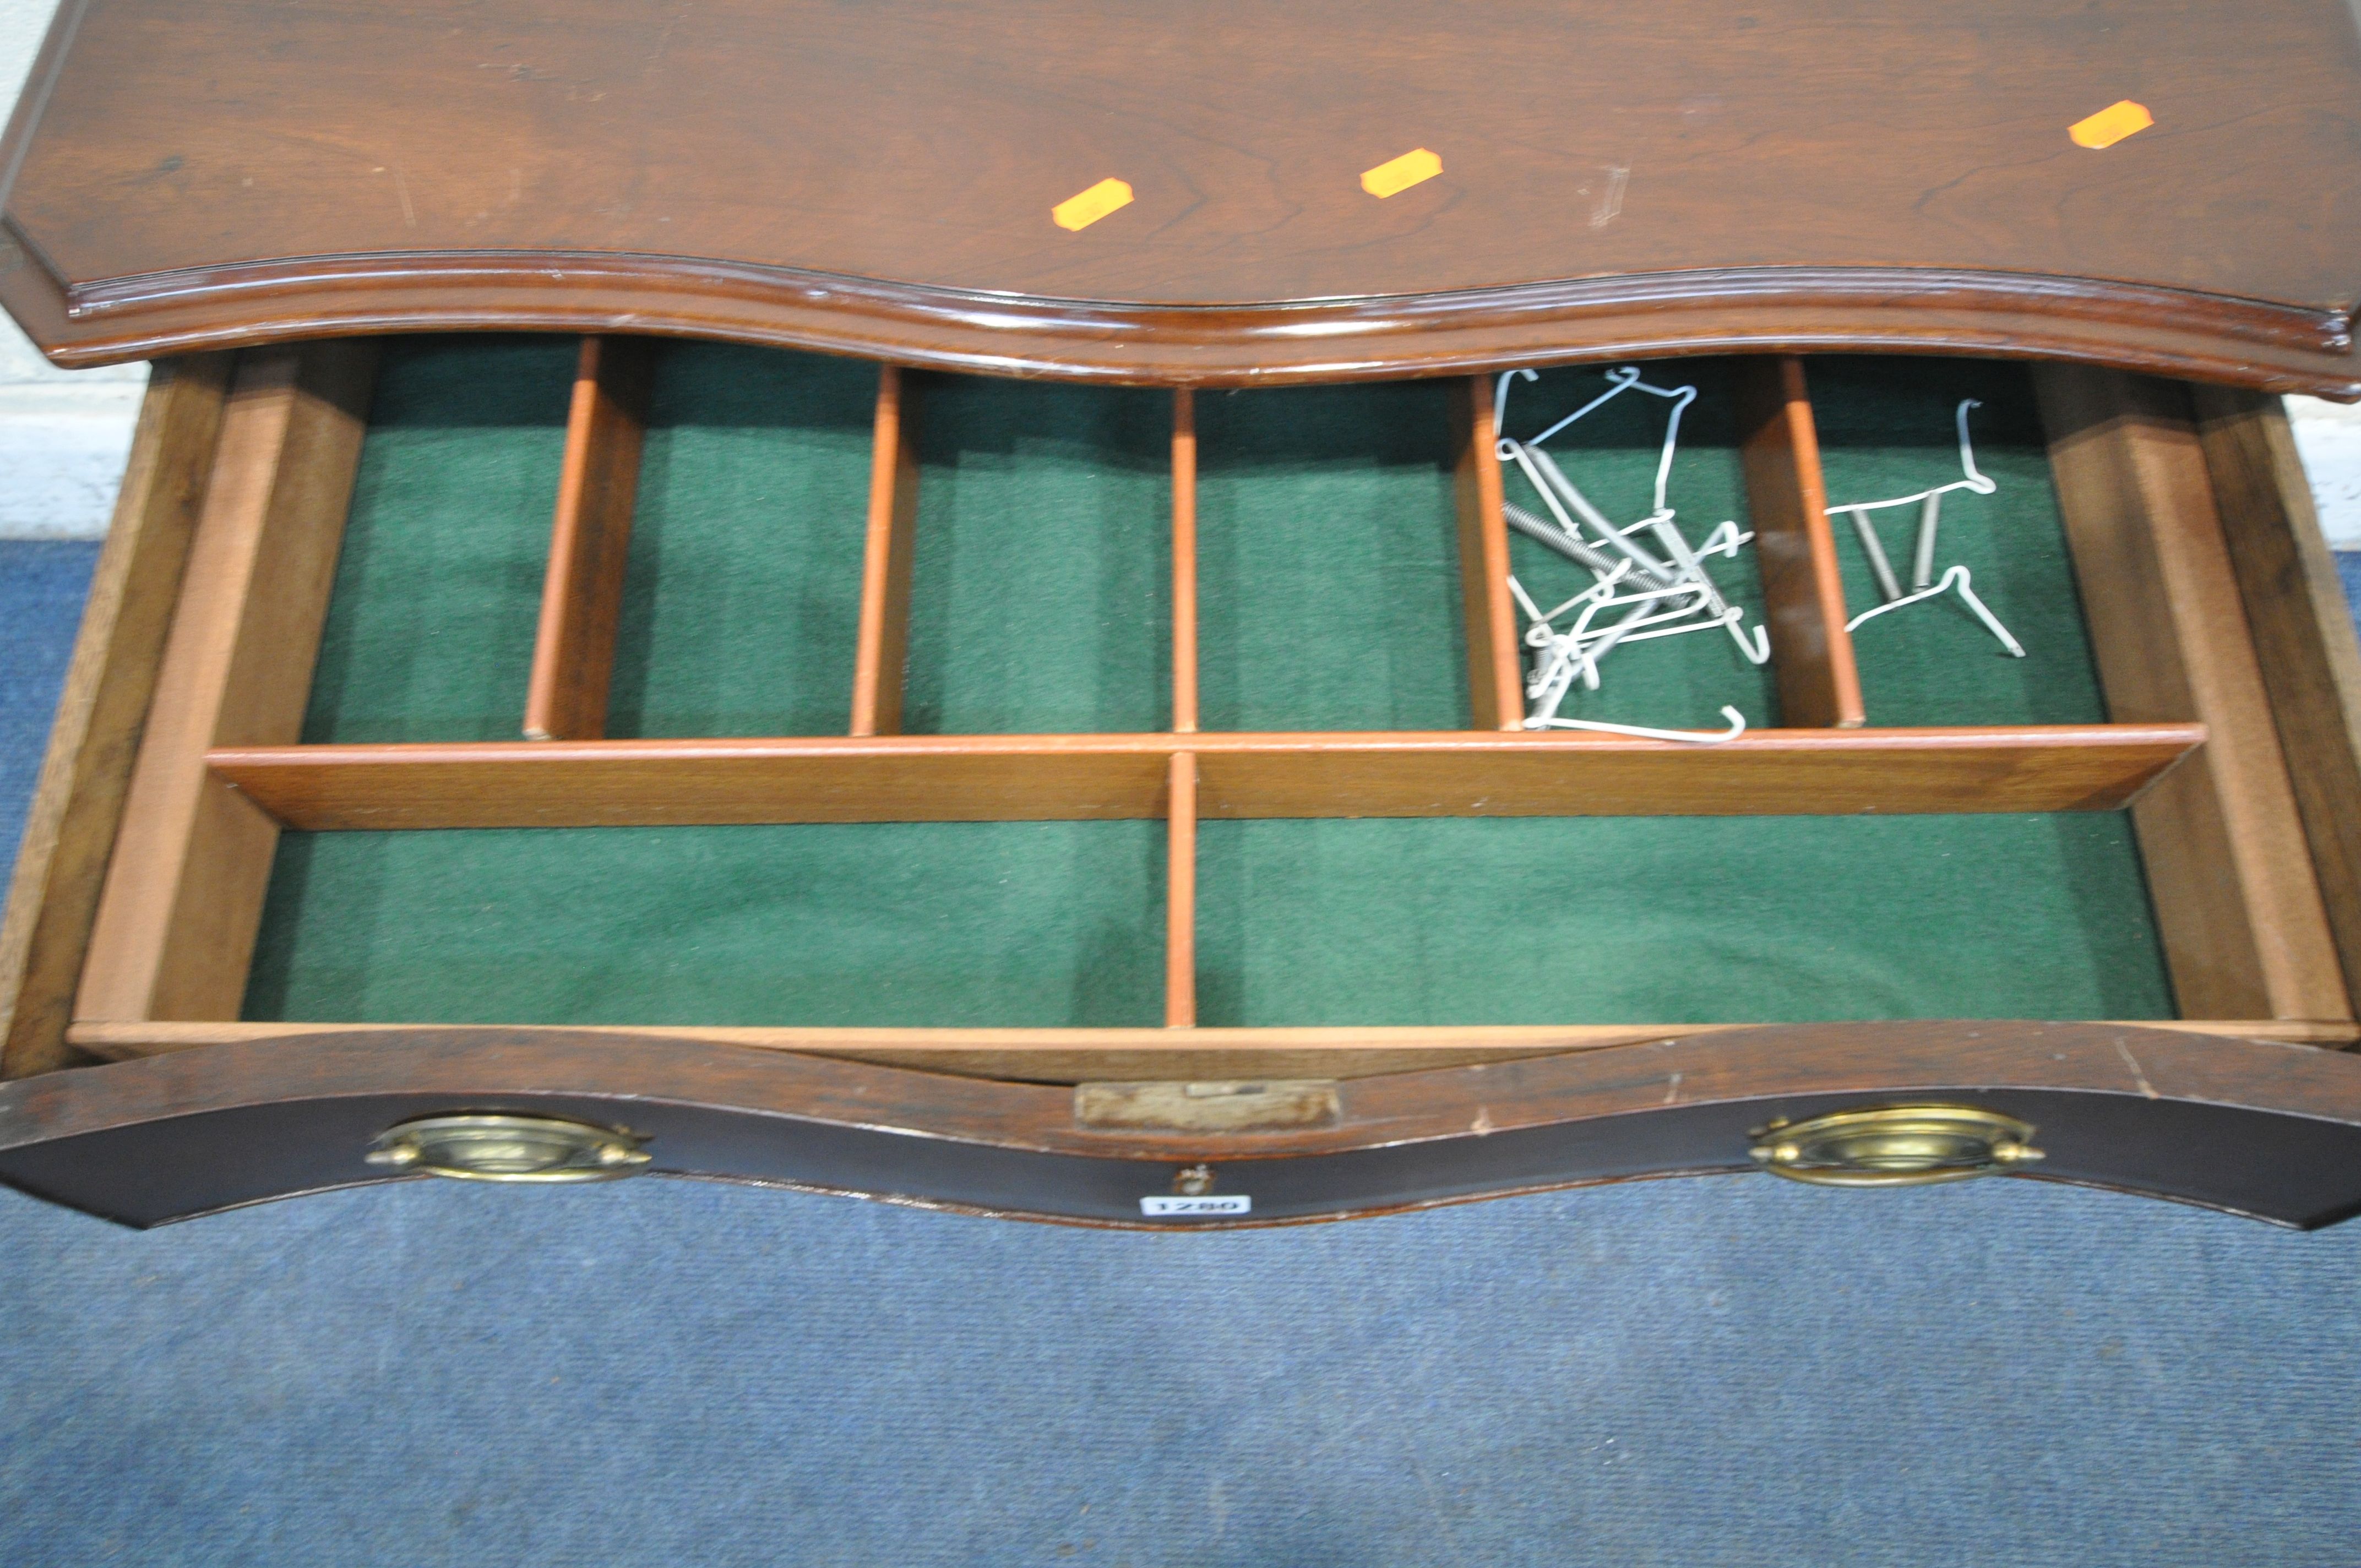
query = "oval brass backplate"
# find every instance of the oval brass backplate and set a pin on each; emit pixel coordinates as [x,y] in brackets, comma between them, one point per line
[1897,1145]
[486,1147]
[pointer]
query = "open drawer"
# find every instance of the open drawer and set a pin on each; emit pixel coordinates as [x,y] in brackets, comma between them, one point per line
[1115,805]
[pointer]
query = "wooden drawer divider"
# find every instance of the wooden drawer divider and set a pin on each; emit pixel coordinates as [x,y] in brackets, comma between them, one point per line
[1181,785]
[590,541]
[1181,893]
[999,778]
[881,656]
[1494,682]
[1802,591]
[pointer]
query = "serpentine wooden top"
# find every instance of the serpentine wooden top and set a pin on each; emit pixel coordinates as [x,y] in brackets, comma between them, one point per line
[900,178]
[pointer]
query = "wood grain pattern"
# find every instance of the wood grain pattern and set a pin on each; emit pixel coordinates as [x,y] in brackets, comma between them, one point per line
[911,778]
[1097,1055]
[176,921]
[212,173]
[1765,772]
[590,541]
[2302,628]
[1184,562]
[77,807]
[2269,1130]
[932,778]
[1495,689]
[1181,895]
[2237,902]
[1802,589]
[881,657]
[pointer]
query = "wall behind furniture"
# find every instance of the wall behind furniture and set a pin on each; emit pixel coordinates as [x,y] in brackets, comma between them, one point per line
[62,434]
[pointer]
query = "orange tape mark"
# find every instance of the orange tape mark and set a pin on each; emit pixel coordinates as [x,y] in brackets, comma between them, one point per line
[1399,174]
[2111,124]
[1081,211]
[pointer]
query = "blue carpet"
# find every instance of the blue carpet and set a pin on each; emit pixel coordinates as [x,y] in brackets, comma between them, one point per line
[1717,1371]
[1704,1372]
[41,586]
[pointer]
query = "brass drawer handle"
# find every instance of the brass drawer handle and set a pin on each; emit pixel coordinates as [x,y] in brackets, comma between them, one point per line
[1901,1145]
[507,1148]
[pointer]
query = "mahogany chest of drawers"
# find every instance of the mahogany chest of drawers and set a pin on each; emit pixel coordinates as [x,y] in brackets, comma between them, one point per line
[922,604]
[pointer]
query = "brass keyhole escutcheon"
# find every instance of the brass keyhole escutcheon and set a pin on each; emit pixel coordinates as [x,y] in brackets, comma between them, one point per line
[1898,1146]
[486,1147]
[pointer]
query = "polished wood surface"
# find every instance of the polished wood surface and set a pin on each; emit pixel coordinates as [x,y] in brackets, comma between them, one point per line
[2304,643]
[183,892]
[2268,1130]
[72,820]
[1803,588]
[590,542]
[990,778]
[1902,177]
[2237,901]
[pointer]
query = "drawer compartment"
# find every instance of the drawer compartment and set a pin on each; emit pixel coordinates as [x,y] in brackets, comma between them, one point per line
[1040,924]
[740,590]
[989,738]
[1039,592]
[1674,920]
[1887,429]
[1615,455]
[447,535]
[1328,560]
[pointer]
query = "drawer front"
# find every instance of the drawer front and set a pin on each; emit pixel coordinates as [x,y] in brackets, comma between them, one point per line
[2264,1129]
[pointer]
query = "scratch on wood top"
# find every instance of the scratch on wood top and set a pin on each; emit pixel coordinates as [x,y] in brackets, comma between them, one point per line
[2138,1077]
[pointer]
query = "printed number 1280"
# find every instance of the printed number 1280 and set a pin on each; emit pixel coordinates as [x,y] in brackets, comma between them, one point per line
[1211,1203]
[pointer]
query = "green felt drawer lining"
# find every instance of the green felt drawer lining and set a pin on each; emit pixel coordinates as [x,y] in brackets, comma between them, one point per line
[430,628]
[742,599]
[1631,919]
[1041,602]
[1328,560]
[1886,428]
[951,924]
[1040,593]
[1598,920]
